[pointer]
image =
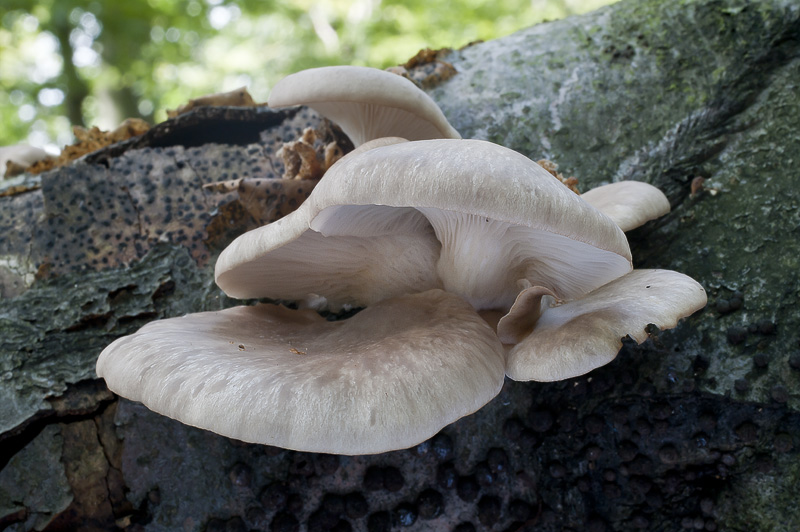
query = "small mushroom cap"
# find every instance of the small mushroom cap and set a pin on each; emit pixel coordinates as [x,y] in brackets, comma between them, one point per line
[579,336]
[525,312]
[386,257]
[387,378]
[629,203]
[367,103]
[468,216]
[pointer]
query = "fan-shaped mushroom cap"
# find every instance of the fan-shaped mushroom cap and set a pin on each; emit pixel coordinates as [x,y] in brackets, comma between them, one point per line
[366,103]
[520,320]
[629,203]
[469,216]
[388,378]
[579,336]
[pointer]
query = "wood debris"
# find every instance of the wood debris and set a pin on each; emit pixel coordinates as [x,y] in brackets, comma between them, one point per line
[235,98]
[15,159]
[697,186]
[267,199]
[19,184]
[89,140]
[305,158]
[427,68]
[570,182]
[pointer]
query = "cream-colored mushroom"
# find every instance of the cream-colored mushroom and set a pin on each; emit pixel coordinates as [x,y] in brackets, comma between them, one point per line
[576,337]
[629,203]
[389,228]
[388,378]
[367,103]
[468,216]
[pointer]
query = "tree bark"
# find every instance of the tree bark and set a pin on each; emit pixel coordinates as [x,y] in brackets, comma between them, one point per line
[696,428]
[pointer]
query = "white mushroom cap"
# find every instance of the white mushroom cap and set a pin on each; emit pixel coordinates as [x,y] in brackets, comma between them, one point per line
[466,215]
[629,203]
[388,378]
[385,257]
[579,336]
[366,103]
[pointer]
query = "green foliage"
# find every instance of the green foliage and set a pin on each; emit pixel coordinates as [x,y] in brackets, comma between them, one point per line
[89,62]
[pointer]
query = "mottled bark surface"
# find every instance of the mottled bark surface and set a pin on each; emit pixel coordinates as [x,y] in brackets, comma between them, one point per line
[697,428]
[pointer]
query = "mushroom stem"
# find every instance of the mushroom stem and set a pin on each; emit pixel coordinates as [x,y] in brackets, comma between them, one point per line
[380,120]
[482,259]
[473,262]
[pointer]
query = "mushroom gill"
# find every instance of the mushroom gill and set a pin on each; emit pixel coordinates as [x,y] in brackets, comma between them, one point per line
[485,215]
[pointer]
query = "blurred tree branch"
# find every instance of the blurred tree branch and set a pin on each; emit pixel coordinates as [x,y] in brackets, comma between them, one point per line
[76,88]
[115,60]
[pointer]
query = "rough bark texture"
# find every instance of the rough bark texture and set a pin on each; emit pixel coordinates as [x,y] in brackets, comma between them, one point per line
[697,428]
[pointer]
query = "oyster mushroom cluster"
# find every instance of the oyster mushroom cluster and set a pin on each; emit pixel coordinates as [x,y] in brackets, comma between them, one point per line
[472,263]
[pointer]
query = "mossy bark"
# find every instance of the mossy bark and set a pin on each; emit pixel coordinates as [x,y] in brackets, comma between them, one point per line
[665,92]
